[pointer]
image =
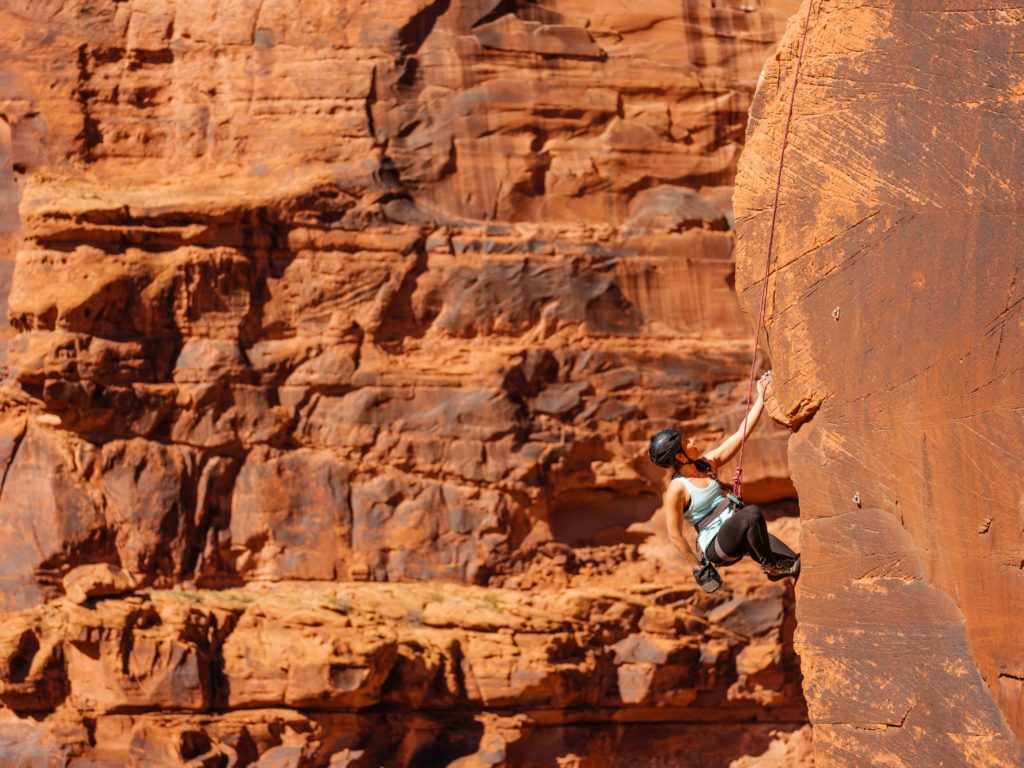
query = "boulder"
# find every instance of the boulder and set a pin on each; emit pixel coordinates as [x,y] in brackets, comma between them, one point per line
[98,580]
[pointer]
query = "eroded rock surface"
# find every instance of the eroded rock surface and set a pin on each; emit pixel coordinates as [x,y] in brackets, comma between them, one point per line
[411,674]
[325,291]
[895,330]
[320,292]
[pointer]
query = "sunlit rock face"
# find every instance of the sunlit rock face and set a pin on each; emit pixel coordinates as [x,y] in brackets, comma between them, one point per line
[308,294]
[895,329]
[411,674]
[331,291]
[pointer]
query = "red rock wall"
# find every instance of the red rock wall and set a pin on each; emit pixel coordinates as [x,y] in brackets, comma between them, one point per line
[351,293]
[895,330]
[363,675]
[9,221]
[333,292]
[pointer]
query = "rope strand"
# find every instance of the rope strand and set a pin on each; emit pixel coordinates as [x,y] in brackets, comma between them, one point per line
[738,478]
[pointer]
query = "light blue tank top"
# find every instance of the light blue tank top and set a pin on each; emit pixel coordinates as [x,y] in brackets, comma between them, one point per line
[702,503]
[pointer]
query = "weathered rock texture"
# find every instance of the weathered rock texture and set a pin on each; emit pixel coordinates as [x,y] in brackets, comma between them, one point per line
[394,675]
[896,333]
[331,291]
[259,286]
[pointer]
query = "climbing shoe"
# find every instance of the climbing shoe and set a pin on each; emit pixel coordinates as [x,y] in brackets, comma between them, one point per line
[708,577]
[783,567]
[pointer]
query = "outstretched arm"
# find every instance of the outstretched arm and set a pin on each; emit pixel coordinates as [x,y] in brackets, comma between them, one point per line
[675,499]
[728,447]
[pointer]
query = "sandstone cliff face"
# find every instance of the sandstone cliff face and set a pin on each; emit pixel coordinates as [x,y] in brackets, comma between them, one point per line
[331,292]
[367,675]
[895,331]
[336,291]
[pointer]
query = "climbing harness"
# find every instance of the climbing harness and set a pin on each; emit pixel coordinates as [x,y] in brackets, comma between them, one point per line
[706,574]
[737,483]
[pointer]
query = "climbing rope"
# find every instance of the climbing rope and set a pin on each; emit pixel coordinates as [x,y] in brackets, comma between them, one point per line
[737,482]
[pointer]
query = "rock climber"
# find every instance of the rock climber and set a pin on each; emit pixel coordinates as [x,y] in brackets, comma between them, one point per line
[727,529]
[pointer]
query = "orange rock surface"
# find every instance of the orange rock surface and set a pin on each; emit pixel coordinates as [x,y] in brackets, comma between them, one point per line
[895,331]
[419,674]
[307,294]
[326,292]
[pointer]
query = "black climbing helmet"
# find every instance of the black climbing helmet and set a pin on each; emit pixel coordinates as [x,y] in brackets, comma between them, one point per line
[665,446]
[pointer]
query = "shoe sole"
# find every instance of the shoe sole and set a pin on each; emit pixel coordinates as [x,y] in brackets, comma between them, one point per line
[778,576]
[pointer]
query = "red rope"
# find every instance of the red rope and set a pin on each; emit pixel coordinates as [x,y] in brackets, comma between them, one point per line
[738,478]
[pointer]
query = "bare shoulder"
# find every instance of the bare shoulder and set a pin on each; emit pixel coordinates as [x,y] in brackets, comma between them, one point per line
[676,496]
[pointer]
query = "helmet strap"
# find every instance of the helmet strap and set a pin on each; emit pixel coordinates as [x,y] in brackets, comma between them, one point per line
[706,470]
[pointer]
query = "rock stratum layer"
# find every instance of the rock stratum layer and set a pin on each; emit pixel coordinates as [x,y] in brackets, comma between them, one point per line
[366,675]
[896,332]
[336,291]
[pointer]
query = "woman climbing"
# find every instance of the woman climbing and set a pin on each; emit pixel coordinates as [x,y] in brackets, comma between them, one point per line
[726,529]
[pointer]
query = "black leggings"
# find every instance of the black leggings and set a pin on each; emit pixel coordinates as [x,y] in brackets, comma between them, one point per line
[746,533]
